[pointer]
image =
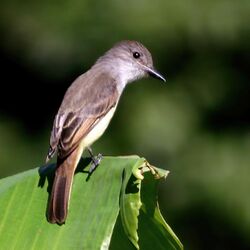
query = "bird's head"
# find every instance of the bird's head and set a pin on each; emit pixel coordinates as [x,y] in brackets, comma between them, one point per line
[131,60]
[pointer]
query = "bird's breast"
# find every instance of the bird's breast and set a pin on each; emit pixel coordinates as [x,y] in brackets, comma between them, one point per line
[98,129]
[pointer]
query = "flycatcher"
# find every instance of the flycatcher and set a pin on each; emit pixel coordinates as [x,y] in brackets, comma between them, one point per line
[85,112]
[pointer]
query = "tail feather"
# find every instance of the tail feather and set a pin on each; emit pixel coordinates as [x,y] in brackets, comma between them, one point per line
[61,190]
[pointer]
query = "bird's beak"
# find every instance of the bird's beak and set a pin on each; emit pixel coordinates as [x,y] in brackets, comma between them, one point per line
[152,72]
[155,74]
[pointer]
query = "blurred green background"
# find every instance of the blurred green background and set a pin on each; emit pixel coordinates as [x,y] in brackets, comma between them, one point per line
[197,125]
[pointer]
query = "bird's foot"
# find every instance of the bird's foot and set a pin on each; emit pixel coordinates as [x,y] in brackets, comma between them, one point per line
[95,161]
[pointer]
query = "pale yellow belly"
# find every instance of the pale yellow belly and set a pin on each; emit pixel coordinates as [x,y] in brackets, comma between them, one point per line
[98,129]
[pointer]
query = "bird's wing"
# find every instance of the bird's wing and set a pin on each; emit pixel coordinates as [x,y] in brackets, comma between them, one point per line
[86,108]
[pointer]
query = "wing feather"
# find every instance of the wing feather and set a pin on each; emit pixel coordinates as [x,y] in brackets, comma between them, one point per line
[81,109]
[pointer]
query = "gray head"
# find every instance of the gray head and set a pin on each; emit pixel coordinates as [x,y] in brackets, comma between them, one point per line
[130,61]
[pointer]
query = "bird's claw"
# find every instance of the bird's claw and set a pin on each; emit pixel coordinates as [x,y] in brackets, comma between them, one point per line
[95,163]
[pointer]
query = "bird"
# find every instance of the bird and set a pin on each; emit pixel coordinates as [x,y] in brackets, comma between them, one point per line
[85,112]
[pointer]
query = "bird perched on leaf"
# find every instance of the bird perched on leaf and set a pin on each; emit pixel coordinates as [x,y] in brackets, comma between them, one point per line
[85,112]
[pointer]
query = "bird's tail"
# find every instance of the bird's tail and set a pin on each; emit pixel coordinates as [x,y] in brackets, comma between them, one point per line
[60,194]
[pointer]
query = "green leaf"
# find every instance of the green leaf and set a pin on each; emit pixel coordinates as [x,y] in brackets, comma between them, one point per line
[130,202]
[139,202]
[154,232]
[93,217]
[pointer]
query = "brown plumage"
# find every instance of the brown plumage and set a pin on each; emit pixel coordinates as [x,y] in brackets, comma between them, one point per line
[71,125]
[86,111]
[60,194]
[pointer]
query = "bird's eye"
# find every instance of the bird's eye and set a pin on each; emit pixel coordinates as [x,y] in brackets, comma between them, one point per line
[136,55]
